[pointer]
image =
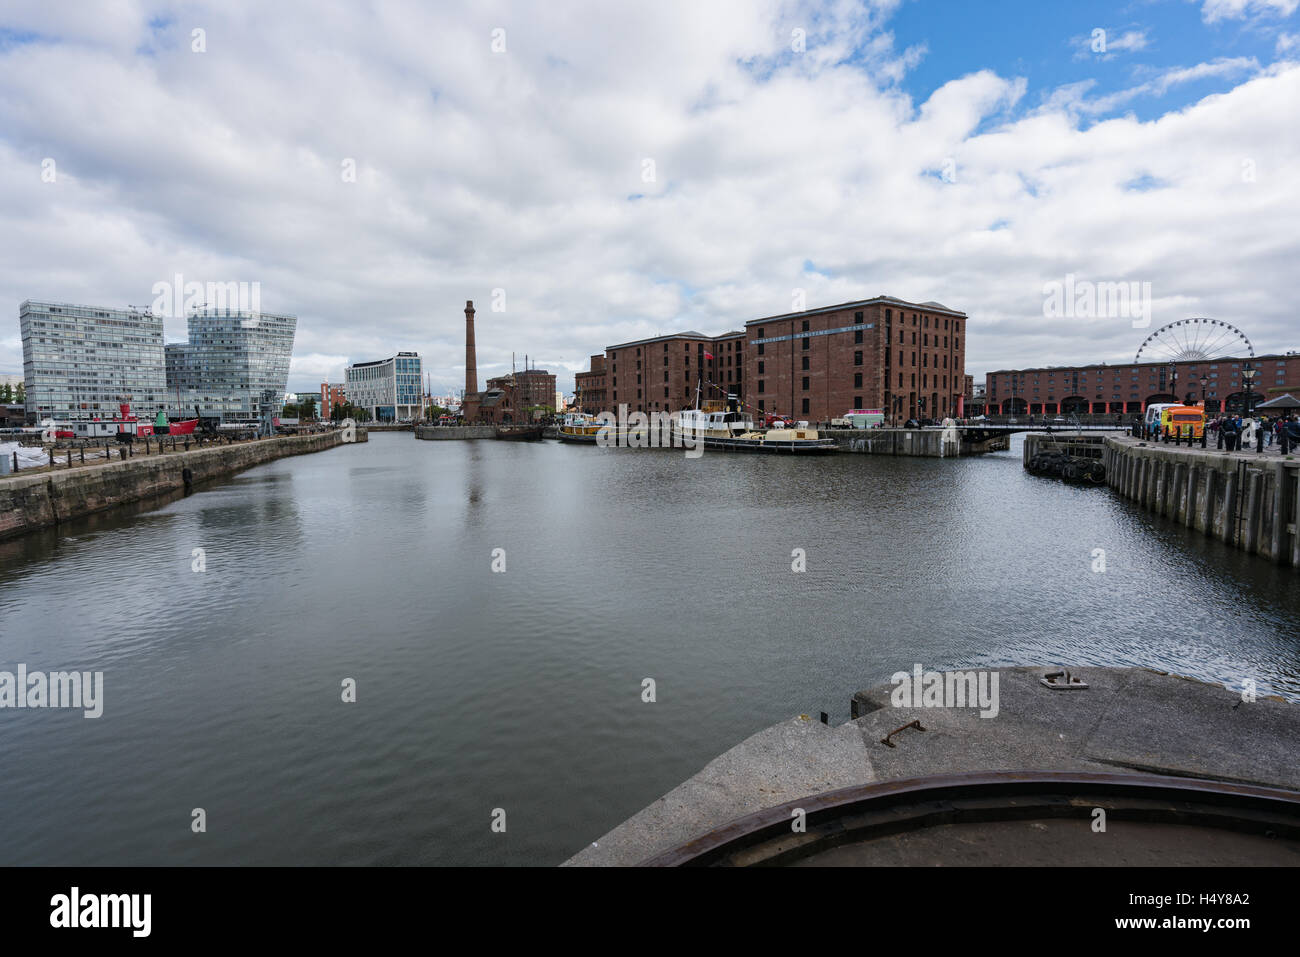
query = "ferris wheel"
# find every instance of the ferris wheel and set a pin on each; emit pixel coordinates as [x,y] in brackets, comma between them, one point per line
[1194,340]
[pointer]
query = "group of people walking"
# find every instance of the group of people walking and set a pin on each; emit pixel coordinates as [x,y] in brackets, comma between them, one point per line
[1284,430]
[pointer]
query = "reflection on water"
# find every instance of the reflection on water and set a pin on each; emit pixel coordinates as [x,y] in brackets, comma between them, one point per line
[521,690]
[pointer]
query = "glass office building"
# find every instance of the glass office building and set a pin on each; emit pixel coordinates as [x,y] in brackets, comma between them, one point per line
[388,388]
[231,364]
[80,362]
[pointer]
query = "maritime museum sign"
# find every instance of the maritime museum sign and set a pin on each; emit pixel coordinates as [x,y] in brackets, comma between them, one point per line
[819,332]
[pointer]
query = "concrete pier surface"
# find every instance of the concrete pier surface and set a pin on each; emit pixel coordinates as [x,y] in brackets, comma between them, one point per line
[1128,719]
[42,499]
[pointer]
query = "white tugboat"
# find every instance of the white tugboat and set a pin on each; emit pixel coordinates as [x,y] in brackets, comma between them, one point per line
[723,427]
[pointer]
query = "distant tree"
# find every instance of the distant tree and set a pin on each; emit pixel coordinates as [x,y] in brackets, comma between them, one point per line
[433,411]
[290,411]
[307,408]
[346,410]
[21,395]
[6,393]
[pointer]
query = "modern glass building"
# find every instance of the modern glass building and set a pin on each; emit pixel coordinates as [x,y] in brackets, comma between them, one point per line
[388,388]
[80,362]
[232,360]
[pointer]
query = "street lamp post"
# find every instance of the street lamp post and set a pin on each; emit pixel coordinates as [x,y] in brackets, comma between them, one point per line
[1249,375]
[1204,382]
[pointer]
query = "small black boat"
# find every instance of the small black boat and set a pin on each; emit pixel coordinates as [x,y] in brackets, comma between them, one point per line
[520,433]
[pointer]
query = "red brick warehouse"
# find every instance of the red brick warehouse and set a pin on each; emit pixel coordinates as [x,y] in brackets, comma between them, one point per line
[883,353]
[907,359]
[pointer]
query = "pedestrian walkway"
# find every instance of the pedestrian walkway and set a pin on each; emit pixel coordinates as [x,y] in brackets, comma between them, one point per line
[1270,452]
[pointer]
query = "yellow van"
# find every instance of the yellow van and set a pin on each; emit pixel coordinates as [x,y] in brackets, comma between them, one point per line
[1176,418]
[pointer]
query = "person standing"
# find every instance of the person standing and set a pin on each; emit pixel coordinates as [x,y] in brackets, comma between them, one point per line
[1218,432]
[1228,429]
[1259,435]
[1292,434]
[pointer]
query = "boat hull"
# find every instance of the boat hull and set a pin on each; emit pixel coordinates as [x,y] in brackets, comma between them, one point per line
[521,434]
[608,435]
[773,447]
[175,428]
[719,443]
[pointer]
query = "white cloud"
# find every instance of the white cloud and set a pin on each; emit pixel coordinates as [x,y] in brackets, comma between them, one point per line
[478,171]
[1213,11]
[1073,96]
[1088,47]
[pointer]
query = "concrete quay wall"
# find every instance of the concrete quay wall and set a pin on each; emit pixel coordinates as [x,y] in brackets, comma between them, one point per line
[1245,500]
[444,433]
[33,501]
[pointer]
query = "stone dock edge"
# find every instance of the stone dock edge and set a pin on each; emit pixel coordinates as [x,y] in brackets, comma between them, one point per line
[45,499]
[1133,719]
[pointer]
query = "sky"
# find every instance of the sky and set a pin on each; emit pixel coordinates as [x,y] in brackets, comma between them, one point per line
[593,173]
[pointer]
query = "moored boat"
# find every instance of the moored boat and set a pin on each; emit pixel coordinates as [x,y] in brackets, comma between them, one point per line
[730,430]
[162,427]
[580,427]
[520,433]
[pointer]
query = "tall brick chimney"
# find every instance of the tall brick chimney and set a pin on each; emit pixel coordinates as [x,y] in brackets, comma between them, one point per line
[469,404]
[471,363]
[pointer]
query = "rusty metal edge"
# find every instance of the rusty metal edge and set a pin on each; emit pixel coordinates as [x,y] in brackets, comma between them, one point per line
[968,784]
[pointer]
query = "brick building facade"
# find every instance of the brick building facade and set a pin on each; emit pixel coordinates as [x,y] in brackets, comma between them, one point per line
[883,353]
[331,395]
[534,387]
[590,387]
[907,359]
[663,373]
[1129,388]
